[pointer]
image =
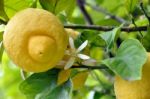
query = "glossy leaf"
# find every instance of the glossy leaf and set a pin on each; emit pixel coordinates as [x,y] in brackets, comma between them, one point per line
[44,85]
[2,27]
[48,4]
[129,60]
[130,5]
[56,6]
[1,51]
[66,5]
[60,92]
[3,14]
[37,82]
[110,37]
[92,37]
[13,6]
[33,4]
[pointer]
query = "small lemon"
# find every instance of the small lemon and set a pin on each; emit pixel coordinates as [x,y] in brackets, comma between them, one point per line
[35,40]
[139,89]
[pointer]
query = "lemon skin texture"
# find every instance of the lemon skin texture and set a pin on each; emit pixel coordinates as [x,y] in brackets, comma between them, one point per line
[35,40]
[139,89]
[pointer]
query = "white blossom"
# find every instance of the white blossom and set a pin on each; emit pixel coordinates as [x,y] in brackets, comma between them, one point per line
[74,53]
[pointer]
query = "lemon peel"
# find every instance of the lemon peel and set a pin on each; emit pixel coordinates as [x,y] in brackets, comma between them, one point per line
[139,89]
[35,40]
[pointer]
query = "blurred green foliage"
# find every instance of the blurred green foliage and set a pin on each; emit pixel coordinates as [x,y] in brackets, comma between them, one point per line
[10,79]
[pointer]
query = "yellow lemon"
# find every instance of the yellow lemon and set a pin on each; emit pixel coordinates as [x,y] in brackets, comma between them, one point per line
[35,40]
[139,89]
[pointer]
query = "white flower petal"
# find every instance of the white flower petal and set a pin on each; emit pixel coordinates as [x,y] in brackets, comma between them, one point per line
[82,46]
[71,43]
[22,74]
[89,62]
[69,63]
[82,56]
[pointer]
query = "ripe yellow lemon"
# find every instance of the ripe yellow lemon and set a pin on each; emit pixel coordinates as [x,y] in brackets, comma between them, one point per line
[35,40]
[139,89]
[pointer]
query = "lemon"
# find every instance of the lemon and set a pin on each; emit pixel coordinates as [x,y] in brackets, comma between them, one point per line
[139,89]
[35,40]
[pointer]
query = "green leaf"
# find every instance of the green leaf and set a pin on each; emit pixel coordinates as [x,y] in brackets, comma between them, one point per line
[129,60]
[48,4]
[56,6]
[2,27]
[60,92]
[37,82]
[146,40]
[96,53]
[13,6]
[66,5]
[92,37]
[1,51]
[3,15]
[44,85]
[110,37]
[131,5]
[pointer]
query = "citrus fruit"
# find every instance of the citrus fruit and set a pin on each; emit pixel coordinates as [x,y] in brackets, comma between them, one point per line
[35,40]
[139,89]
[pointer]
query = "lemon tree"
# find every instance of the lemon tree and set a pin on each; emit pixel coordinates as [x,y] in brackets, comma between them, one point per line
[74,49]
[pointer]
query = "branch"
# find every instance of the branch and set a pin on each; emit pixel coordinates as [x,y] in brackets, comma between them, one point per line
[141,35]
[102,10]
[90,67]
[84,11]
[148,17]
[106,28]
[100,28]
